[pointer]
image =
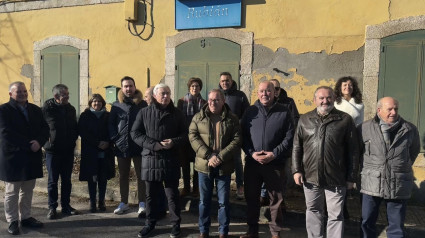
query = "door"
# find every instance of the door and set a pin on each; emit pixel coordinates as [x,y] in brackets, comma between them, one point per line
[402,75]
[205,58]
[60,64]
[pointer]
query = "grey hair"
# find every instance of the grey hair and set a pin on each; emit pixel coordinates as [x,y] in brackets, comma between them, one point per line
[58,88]
[15,84]
[158,86]
[379,103]
[324,87]
[219,91]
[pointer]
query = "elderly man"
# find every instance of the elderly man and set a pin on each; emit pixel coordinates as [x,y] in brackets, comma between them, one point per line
[267,129]
[61,117]
[215,136]
[325,162]
[22,132]
[121,119]
[391,145]
[160,129]
[238,103]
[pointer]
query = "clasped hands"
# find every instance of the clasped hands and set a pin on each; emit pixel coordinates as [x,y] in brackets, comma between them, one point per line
[163,145]
[263,157]
[214,161]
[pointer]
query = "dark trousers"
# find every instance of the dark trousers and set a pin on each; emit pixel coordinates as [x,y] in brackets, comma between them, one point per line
[273,177]
[186,177]
[396,213]
[153,204]
[101,184]
[59,164]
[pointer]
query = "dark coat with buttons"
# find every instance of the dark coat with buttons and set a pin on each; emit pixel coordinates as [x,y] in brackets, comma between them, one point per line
[17,161]
[154,124]
[93,130]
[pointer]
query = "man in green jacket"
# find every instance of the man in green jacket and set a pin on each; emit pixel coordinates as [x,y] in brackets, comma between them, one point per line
[215,137]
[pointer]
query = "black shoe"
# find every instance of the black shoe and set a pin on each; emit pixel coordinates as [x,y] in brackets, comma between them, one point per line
[52,214]
[13,228]
[102,206]
[175,231]
[69,211]
[93,208]
[146,231]
[32,223]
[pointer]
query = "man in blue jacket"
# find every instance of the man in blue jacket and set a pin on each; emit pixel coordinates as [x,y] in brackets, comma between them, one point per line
[267,129]
[22,132]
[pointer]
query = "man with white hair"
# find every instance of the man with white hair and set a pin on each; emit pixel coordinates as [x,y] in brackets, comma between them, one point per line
[325,163]
[391,145]
[23,131]
[160,129]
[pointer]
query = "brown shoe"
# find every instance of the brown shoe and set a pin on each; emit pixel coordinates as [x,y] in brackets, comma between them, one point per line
[222,236]
[276,236]
[249,235]
[204,235]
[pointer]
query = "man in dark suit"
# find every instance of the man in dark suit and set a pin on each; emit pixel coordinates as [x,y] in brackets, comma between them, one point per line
[22,132]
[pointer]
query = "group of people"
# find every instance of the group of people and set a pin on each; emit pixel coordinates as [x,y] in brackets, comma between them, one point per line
[329,146]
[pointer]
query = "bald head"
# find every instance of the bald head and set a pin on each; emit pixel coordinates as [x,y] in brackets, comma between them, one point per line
[266,93]
[387,109]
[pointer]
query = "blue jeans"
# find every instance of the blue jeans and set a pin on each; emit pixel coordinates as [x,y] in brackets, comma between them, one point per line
[59,165]
[206,185]
[396,213]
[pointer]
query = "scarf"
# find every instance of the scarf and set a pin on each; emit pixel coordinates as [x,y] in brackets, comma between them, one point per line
[98,114]
[388,129]
[192,104]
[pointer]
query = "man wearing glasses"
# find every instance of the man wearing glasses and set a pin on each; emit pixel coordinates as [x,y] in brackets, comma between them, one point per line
[61,117]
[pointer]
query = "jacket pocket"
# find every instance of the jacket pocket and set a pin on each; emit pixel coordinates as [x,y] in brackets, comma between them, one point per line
[403,184]
[367,147]
[371,181]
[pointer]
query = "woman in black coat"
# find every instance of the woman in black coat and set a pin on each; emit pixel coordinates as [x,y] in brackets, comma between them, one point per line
[97,160]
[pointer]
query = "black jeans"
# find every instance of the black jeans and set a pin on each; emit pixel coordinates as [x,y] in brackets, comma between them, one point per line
[92,190]
[59,164]
[153,204]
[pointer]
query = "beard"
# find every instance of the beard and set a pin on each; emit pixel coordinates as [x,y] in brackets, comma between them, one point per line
[325,110]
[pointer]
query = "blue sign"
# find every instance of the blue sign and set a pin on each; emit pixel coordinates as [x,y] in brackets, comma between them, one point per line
[195,14]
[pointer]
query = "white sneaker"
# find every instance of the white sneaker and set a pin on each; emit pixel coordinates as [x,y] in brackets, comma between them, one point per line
[121,208]
[142,208]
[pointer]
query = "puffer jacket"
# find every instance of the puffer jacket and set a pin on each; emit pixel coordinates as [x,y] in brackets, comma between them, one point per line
[121,119]
[201,137]
[271,130]
[154,124]
[387,173]
[326,152]
[62,121]
[236,100]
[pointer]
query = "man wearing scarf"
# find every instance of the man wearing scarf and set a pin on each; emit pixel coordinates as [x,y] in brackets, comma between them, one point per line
[390,147]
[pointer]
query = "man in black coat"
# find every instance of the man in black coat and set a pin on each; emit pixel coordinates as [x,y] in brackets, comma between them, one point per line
[61,117]
[267,129]
[22,132]
[238,103]
[121,119]
[160,129]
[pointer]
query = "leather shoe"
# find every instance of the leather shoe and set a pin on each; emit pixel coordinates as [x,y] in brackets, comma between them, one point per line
[222,236]
[52,214]
[276,236]
[69,211]
[146,231]
[32,223]
[249,235]
[13,228]
[204,235]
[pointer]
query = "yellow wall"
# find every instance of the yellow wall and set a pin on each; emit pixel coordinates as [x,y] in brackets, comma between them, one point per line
[335,26]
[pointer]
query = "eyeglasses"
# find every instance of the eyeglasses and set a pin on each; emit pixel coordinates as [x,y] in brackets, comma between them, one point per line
[214,100]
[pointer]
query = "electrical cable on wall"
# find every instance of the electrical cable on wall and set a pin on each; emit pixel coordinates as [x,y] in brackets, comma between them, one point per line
[135,33]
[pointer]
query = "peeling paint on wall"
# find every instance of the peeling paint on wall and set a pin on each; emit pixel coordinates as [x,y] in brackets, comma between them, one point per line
[301,74]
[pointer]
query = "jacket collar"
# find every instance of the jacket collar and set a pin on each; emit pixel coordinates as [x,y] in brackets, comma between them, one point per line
[15,104]
[137,98]
[170,107]
[263,109]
